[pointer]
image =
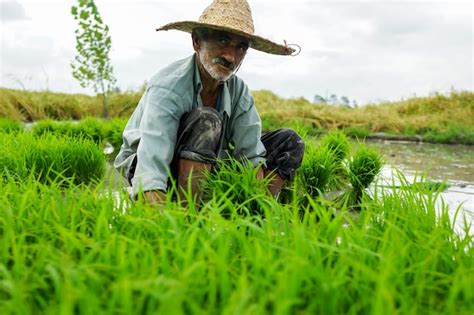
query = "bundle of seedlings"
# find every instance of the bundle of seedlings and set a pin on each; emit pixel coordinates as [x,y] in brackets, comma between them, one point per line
[328,174]
[321,171]
[336,141]
[363,167]
[318,169]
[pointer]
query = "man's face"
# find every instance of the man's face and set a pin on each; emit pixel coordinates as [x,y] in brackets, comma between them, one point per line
[221,54]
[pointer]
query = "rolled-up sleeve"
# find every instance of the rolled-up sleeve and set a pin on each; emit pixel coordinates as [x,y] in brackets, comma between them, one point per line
[158,129]
[246,133]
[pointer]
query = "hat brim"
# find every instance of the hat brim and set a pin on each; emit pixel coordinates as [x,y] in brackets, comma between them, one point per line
[256,42]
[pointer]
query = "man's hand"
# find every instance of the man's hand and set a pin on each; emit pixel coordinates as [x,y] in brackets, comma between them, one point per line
[155,197]
[260,173]
[276,182]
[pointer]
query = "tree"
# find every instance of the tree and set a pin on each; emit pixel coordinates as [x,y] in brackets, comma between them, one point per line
[91,66]
[318,99]
[344,101]
[333,99]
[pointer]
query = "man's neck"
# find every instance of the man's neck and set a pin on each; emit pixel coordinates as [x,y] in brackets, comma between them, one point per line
[210,86]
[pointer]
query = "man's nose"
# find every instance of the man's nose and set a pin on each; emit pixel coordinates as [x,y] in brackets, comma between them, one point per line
[229,53]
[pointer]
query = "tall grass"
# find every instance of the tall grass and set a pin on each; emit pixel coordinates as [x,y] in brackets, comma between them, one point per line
[437,118]
[70,251]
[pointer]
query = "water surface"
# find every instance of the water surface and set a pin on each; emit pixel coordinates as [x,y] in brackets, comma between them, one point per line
[453,164]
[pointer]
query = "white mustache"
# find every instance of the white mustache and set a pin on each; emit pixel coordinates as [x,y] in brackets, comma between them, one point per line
[223,62]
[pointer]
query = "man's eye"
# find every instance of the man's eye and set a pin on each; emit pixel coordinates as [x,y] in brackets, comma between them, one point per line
[223,41]
[243,48]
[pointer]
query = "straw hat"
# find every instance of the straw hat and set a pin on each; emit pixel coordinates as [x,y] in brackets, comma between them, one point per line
[233,16]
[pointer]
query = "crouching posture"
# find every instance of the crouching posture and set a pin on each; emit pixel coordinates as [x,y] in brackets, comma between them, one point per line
[197,110]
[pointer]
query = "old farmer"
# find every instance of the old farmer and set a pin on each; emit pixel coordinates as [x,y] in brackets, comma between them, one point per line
[197,110]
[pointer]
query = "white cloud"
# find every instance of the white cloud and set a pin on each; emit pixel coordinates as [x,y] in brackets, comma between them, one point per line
[365,50]
[11,11]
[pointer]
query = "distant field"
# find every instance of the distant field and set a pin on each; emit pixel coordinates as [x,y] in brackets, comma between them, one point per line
[438,118]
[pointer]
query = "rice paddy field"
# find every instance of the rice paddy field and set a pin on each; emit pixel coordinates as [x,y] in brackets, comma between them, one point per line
[334,242]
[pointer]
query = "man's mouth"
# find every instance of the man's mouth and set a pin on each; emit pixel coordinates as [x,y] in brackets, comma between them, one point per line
[223,62]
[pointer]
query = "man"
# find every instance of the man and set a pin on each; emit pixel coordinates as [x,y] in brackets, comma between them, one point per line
[196,110]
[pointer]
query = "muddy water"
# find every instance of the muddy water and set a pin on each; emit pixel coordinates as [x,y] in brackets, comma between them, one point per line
[453,164]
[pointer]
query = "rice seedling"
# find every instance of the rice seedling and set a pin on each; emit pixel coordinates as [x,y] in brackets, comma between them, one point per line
[363,167]
[357,132]
[318,169]
[337,143]
[69,251]
[113,131]
[10,126]
[88,128]
[236,182]
[98,130]
[50,157]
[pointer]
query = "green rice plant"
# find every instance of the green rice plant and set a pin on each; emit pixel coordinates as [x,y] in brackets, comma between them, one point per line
[98,130]
[113,133]
[10,126]
[337,141]
[357,132]
[71,251]
[48,126]
[363,167]
[50,158]
[303,130]
[339,145]
[90,128]
[318,169]
[452,134]
[238,183]
[426,186]
[87,128]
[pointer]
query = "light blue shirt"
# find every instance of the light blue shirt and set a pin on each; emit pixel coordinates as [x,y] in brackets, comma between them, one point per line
[151,132]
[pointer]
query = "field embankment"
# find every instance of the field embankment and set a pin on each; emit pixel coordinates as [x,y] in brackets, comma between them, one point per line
[438,118]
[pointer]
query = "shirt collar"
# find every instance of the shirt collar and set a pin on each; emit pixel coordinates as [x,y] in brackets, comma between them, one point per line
[225,93]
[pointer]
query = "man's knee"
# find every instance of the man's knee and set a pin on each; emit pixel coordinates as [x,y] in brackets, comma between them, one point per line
[285,150]
[200,134]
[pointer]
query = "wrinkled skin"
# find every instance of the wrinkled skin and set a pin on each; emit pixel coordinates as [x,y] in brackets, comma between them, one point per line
[220,55]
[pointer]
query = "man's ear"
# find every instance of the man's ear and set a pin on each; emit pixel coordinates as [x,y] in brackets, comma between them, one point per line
[196,42]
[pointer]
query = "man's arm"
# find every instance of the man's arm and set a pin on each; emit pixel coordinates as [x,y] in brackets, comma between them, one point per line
[158,129]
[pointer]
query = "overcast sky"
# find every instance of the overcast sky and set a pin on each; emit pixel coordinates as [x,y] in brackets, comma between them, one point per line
[367,50]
